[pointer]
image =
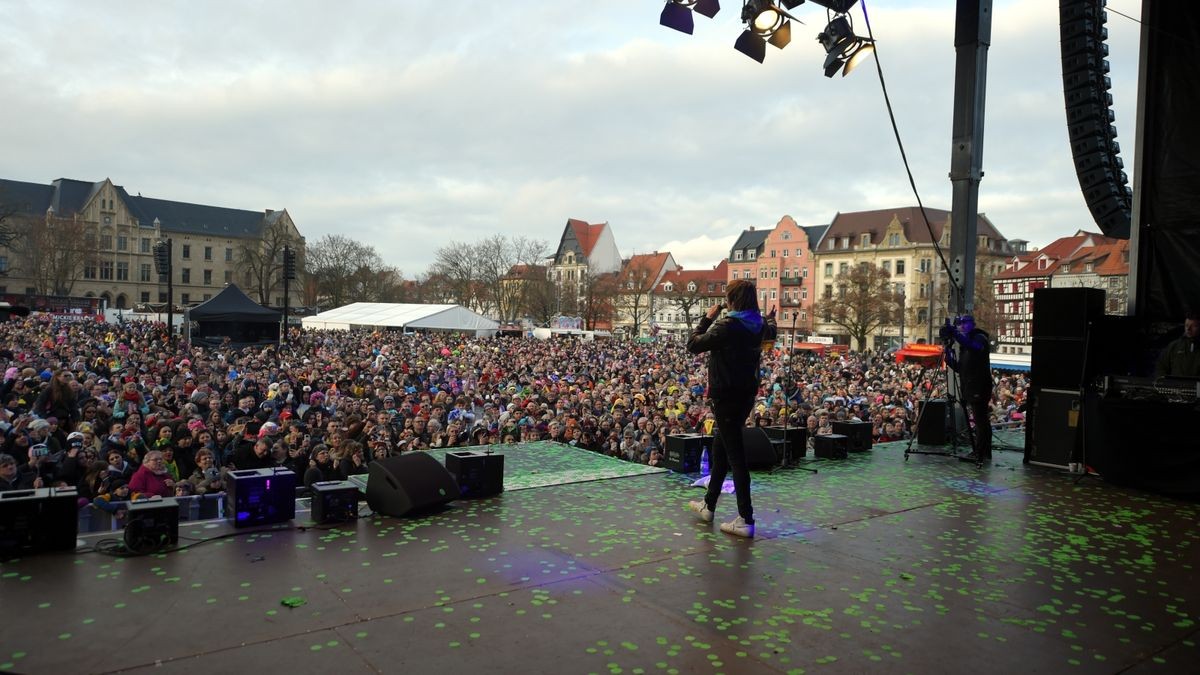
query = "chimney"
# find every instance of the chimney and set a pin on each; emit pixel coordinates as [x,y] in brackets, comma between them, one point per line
[751,228]
[269,211]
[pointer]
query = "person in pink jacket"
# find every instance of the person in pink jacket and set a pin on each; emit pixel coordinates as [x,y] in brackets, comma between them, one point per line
[152,478]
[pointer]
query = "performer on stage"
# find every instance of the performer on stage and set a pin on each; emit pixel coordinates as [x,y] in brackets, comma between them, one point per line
[734,342]
[967,352]
[1181,358]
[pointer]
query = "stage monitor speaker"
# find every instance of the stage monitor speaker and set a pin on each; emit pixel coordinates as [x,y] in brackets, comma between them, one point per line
[260,496]
[1058,363]
[1055,429]
[412,482]
[37,520]
[683,452]
[831,446]
[334,501]
[760,449]
[1066,312]
[859,434]
[152,524]
[796,437]
[478,474]
[932,429]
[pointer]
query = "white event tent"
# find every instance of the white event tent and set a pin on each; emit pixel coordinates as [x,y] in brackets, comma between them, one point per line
[410,317]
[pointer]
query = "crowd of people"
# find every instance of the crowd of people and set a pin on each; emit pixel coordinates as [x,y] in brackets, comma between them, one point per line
[122,413]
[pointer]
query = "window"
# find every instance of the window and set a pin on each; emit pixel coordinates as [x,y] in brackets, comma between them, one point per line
[828,291]
[846,242]
[804,272]
[866,239]
[162,296]
[828,269]
[208,277]
[668,287]
[787,236]
[899,268]
[1112,281]
[187,276]
[106,241]
[208,253]
[887,266]
[762,274]
[144,275]
[145,247]
[187,252]
[228,254]
[803,293]
[228,276]
[122,271]
[185,298]
[106,270]
[108,220]
[926,265]
[774,274]
[3,264]
[1088,267]
[830,245]
[843,267]
[89,239]
[122,242]
[208,296]
[89,271]
[773,294]
[691,287]
[145,297]
[750,255]
[785,251]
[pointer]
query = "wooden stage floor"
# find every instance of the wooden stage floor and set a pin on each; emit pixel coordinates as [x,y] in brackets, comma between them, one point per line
[872,565]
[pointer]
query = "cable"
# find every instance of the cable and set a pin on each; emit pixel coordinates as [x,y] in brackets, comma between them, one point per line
[958,291]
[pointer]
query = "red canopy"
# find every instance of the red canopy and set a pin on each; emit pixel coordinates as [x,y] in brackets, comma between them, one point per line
[924,354]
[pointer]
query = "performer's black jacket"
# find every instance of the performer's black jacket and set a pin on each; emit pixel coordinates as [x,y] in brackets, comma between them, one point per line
[734,352]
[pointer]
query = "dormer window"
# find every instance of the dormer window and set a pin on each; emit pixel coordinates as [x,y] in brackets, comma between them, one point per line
[668,287]
[866,240]
[1087,267]
[737,255]
[845,242]
[830,246]
[750,254]
[691,287]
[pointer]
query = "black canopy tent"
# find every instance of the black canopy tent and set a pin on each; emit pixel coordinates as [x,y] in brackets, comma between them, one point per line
[232,314]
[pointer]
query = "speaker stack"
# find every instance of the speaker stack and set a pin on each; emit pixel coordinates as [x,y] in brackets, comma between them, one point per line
[931,429]
[1086,85]
[478,474]
[760,449]
[831,446]
[37,520]
[1061,363]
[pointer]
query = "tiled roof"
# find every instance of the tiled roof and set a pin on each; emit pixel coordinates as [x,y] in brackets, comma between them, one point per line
[652,262]
[875,223]
[750,239]
[586,234]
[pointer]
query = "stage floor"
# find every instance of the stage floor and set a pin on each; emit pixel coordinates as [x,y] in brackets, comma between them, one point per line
[873,564]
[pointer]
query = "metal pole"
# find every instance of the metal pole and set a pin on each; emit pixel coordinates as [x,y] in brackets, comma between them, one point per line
[972,36]
[901,320]
[286,292]
[170,293]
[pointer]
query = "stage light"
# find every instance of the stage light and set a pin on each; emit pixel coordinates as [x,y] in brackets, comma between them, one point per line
[677,14]
[765,22]
[844,50]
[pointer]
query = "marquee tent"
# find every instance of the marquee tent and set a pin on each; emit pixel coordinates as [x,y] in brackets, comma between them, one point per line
[404,316]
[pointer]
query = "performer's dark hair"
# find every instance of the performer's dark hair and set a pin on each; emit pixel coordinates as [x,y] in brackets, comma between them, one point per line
[741,295]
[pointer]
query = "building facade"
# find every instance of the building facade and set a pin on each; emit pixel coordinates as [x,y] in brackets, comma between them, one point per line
[899,242]
[585,252]
[683,296]
[637,300]
[96,240]
[1082,259]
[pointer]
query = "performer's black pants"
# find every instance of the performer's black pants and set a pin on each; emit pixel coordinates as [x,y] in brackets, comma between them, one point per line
[729,454]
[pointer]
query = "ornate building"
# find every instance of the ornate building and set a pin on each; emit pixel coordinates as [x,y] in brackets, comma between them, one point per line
[96,240]
[585,252]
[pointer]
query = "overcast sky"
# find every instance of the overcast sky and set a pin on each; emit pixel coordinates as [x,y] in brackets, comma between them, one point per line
[413,123]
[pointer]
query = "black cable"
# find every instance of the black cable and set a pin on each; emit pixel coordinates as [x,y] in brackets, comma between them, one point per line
[904,157]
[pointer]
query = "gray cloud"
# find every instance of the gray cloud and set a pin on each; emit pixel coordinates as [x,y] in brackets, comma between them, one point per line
[416,123]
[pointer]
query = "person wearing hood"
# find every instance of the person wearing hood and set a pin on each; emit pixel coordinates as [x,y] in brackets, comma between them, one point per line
[734,342]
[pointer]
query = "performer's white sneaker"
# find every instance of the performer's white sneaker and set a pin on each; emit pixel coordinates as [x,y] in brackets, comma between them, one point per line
[701,511]
[738,528]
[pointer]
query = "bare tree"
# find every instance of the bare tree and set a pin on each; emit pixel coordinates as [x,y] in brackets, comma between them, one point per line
[863,300]
[457,267]
[495,258]
[598,306]
[262,259]
[53,253]
[636,286]
[336,264]
[10,232]
[685,298]
[541,302]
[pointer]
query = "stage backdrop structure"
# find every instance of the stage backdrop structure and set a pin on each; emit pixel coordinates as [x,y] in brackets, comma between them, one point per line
[403,316]
[232,314]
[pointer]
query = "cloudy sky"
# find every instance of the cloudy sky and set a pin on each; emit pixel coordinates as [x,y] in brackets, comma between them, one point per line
[411,124]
